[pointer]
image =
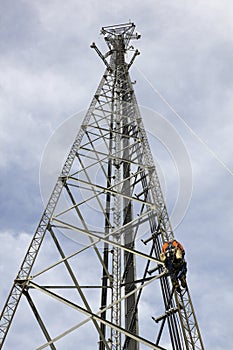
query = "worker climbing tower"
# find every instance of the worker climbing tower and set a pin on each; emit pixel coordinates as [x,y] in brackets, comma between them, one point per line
[92,276]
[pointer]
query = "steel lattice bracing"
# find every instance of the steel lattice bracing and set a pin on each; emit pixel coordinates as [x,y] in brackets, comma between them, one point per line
[87,259]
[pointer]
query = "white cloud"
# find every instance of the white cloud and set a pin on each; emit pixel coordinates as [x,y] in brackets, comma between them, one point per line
[9,265]
[49,72]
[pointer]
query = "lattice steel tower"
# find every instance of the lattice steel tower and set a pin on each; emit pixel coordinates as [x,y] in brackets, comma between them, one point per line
[87,277]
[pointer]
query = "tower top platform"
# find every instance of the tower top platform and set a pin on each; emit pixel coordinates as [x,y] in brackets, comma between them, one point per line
[123,32]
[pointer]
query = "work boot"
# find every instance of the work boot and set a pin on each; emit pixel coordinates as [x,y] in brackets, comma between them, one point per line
[183,281]
[176,285]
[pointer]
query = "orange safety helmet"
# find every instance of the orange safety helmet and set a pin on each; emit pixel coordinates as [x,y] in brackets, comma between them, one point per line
[174,243]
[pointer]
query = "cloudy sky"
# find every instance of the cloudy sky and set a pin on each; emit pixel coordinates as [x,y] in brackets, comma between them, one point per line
[49,72]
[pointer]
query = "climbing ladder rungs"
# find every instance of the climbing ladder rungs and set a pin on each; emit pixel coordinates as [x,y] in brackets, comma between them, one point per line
[165,315]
